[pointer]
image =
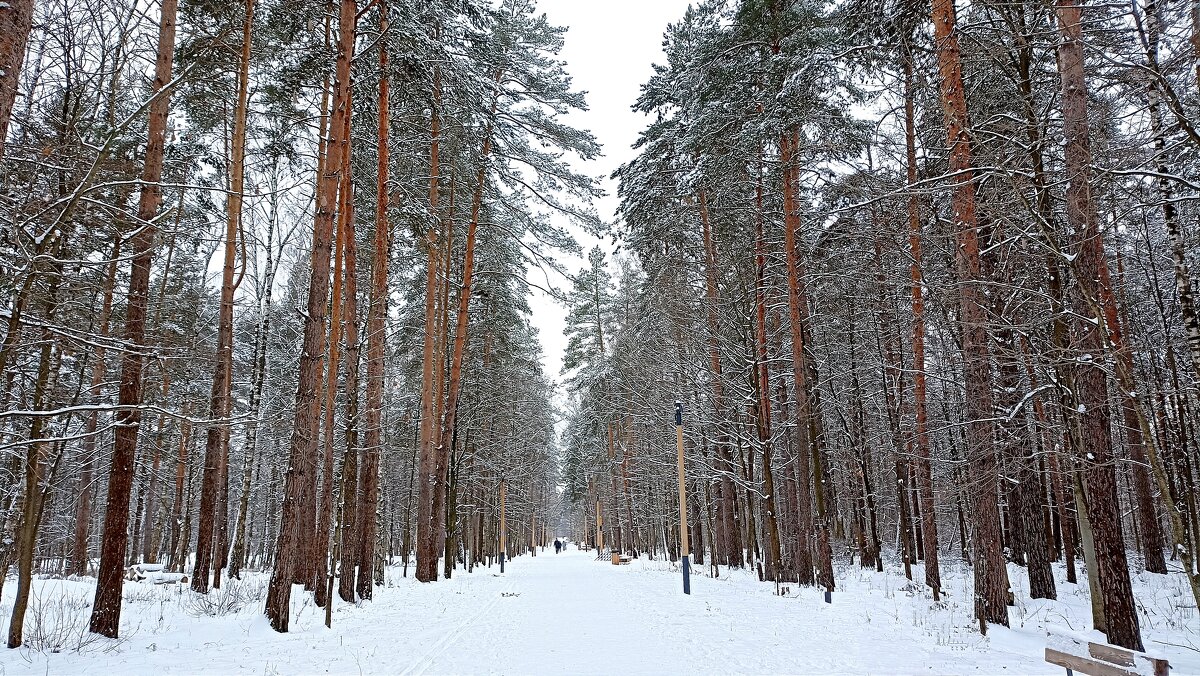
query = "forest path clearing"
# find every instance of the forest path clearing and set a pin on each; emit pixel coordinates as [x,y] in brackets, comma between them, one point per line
[571,614]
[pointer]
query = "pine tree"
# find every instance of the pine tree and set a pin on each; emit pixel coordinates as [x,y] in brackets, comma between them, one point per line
[589,312]
[106,610]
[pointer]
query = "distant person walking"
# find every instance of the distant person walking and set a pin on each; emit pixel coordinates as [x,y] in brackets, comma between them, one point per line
[558,546]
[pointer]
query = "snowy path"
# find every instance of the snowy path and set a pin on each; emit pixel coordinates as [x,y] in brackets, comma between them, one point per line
[574,614]
[571,614]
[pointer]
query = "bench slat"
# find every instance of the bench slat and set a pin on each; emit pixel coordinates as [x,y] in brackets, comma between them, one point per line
[1111,654]
[1104,658]
[1085,666]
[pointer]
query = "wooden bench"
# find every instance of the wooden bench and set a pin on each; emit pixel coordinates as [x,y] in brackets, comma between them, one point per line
[1077,653]
[619,559]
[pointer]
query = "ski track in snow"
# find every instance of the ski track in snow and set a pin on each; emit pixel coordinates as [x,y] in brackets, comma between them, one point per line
[572,614]
[423,665]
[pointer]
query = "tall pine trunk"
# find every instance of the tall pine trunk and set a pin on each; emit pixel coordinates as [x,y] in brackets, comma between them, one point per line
[150,516]
[808,455]
[175,558]
[437,532]
[312,546]
[368,494]
[920,433]
[325,510]
[36,468]
[106,610]
[773,555]
[349,521]
[431,535]
[426,553]
[1089,377]
[296,541]
[216,448]
[728,536]
[16,20]
[991,577]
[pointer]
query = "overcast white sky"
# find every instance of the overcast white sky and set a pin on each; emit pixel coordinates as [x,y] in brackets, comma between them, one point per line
[610,47]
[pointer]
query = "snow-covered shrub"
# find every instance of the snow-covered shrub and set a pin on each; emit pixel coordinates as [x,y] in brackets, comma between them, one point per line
[57,622]
[140,594]
[230,599]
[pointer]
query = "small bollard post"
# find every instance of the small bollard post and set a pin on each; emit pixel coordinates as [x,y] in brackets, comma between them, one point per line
[684,549]
[503,525]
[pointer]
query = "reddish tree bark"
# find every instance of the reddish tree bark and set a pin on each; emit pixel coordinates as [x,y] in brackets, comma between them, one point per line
[368,494]
[312,547]
[427,475]
[1089,378]
[332,380]
[216,447]
[763,388]
[106,610]
[808,456]
[349,526]
[175,559]
[991,577]
[16,20]
[729,537]
[437,533]
[295,541]
[920,435]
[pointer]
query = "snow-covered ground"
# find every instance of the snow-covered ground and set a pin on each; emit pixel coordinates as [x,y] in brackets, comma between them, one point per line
[571,614]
